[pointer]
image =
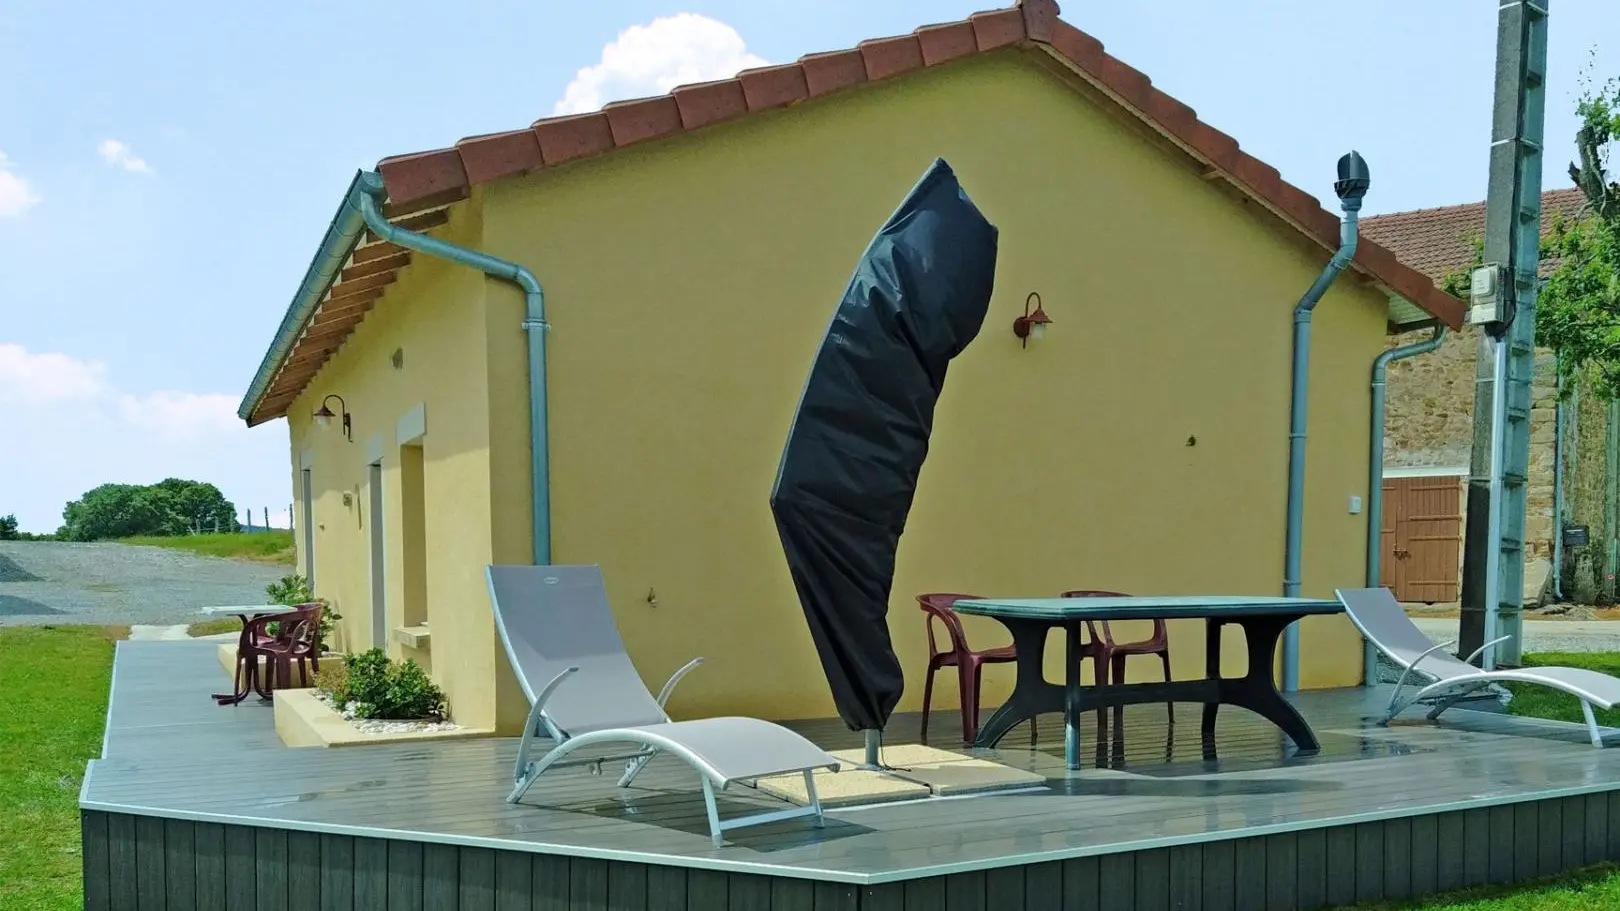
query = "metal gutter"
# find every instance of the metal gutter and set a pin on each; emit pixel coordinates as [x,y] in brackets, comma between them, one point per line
[1375,476]
[1350,187]
[341,236]
[371,194]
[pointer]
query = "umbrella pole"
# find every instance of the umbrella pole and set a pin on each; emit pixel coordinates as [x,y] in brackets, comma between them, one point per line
[874,740]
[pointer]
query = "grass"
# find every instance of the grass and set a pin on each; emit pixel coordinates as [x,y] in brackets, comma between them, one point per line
[1594,888]
[53,702]
[214,627]
[1543,702]
[262,546]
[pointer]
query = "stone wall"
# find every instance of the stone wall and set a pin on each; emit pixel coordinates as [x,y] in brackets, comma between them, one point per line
[1585,570]
[1429,422]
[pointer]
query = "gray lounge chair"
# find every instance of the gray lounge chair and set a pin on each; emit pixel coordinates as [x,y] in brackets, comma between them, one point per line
[1384,622]
[559,633]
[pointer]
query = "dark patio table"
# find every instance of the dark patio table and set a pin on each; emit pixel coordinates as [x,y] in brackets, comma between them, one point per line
[1030,619]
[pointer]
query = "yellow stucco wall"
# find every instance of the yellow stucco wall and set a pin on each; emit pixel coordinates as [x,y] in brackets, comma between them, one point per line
[434,315]
[689,283]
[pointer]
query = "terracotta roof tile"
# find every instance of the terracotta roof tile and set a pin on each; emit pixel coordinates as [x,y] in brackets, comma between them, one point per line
[773,86]
[999,28]
[499,155]
[564,139]
[944,43]
[710,102]
[1438,242]
[423,181]
[886,57]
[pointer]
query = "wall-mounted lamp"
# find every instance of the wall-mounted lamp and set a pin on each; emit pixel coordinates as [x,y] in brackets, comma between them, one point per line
[1033,322]
[324,415]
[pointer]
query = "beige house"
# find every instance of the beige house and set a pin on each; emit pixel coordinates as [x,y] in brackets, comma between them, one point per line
[1430,430]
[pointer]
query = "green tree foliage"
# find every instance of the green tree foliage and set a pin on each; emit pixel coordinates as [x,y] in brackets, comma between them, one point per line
[8,528]
[1578,312]
[169,507]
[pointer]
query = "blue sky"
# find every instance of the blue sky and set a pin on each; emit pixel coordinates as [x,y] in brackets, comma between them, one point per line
[169,167]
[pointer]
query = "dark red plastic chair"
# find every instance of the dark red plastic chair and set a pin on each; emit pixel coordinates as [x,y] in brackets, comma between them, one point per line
[296,639]
[1110,655]
[968,663]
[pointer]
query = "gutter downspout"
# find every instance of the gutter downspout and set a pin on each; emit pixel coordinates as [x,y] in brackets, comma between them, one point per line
[1375,476]
[1350,187]
[534,323]
[1558,487]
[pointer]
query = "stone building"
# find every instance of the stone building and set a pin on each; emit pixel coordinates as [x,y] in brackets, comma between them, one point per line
[1430,430]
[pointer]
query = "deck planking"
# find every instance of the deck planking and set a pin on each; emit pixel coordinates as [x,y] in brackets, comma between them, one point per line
[172,753]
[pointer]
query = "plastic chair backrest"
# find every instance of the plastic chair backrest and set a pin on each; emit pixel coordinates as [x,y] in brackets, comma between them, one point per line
[1107,634]
[938,605]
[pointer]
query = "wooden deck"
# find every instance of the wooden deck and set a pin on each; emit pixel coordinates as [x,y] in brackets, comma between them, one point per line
[194,805]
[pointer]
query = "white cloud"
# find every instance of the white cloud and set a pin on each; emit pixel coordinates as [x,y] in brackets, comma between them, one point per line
[34,379]
[653,58]
[118,155]
[16,196]
[180,414]
[82,430]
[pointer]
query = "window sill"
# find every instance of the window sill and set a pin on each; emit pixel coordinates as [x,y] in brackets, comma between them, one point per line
[412,636]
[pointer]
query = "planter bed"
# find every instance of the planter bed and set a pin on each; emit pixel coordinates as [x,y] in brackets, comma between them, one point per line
[304,719]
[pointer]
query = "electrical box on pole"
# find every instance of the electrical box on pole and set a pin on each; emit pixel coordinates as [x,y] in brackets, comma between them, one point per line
[1503,305]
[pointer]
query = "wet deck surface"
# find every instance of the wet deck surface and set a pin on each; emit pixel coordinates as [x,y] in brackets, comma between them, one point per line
[171,752]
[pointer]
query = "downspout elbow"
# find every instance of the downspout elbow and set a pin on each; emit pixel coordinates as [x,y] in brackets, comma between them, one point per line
[1349,238]
[534,325]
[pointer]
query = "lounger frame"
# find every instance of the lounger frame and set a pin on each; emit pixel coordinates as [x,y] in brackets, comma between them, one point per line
[1447,691]
[649,742]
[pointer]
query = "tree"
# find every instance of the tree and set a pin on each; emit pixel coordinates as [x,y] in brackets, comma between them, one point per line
[170,507]
[1578,312]
[8,528]
[1578,308]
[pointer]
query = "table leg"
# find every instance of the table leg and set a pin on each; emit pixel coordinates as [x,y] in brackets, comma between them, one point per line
[1031,694]
[1071,696]
[244,668]
[1212,671]
[1257,691]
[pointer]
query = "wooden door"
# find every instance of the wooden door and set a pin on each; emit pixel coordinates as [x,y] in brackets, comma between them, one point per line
[1422,538]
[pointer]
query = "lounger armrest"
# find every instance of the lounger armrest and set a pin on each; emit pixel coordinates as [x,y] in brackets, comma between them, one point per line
[1478,651]
[1401,681]
[532,724]
[669,685]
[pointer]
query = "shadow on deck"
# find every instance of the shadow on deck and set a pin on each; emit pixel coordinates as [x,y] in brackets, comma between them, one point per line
[194,805]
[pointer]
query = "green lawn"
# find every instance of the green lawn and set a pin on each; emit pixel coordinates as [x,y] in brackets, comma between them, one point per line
[211,627]
[266,546]
[53,704]
[1541,702]
[1594,889]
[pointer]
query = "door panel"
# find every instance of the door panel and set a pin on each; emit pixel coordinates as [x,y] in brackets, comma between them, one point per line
[1422,538]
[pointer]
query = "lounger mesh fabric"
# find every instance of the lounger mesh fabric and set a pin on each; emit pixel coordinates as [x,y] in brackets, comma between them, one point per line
[584,692]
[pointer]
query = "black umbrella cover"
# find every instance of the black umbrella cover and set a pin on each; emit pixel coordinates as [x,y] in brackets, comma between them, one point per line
[850,466]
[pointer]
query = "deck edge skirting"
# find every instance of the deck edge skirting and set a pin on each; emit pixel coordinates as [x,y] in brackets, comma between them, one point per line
[727,865]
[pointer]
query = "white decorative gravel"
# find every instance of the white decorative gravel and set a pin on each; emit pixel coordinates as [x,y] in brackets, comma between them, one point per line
[380,726]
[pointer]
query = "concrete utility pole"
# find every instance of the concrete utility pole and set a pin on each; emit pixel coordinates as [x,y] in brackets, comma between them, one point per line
[1503,293]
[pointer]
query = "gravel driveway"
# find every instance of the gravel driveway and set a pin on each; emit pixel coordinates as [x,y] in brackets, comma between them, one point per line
[57,583]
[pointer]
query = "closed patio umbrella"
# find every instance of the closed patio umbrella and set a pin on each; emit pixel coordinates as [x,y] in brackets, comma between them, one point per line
[849,470]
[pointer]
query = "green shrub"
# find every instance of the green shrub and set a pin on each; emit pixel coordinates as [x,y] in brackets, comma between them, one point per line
[294,589]
[379,688]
